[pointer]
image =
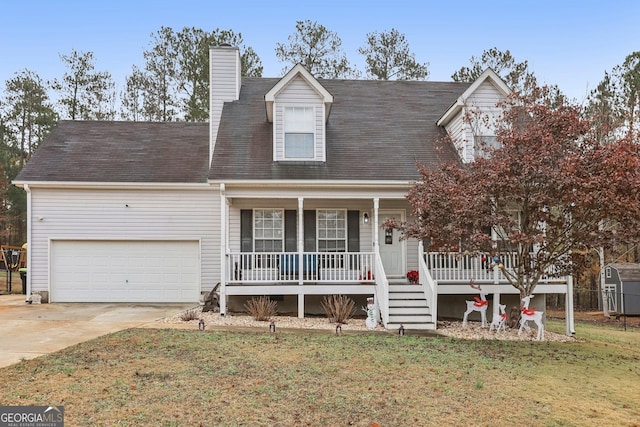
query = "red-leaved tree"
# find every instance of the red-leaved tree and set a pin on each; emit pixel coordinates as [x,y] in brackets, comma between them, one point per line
[550,191]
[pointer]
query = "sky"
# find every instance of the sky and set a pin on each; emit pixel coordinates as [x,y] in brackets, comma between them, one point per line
[570,43]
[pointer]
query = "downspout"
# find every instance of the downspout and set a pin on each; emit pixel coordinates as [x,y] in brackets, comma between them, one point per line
[223,250]
[29,245]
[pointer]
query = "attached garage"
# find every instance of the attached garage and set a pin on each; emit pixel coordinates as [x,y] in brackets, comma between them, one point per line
[124,271]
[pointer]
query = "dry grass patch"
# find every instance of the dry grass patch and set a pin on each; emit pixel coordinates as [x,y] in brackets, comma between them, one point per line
[171,377]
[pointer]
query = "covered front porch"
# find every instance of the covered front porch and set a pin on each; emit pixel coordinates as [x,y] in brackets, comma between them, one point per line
[311,241]
[305,246]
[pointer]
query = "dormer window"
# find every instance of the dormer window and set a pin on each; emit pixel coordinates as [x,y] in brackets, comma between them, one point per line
[298,106]
[299,135]
[484,145]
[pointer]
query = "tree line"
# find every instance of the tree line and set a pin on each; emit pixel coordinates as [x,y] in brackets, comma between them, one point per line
[173,84]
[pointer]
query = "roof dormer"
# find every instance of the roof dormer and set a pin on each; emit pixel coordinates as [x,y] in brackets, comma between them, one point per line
[295,72]
[298,106]
[471,121]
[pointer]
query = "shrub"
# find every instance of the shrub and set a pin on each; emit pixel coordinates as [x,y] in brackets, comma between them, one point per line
[261,308]
[188,315]
[338,308]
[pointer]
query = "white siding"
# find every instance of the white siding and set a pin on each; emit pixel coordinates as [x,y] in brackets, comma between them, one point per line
[486,96]
[298,93]
[460,133]
[366,233]
[224,72]
[234,229]
[104,214]
[461,130]
[486,99]
[278,131]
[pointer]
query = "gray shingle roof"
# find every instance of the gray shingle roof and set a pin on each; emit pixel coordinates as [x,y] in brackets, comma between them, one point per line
[377,131]
[95,151]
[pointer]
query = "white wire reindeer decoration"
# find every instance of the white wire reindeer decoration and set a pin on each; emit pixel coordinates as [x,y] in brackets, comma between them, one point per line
[500,321]
[531,314]
[478,304]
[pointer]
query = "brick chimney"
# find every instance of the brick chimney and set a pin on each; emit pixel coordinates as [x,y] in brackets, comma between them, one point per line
[224,75]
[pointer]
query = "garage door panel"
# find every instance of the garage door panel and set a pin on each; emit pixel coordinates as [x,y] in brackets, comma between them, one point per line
[100,277]
[153,262]
[125,271]
[189,263]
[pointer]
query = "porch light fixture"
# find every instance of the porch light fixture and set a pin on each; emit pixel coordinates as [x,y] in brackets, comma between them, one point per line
[365,218]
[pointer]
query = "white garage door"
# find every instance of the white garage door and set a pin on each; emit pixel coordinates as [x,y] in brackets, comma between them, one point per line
[125,271]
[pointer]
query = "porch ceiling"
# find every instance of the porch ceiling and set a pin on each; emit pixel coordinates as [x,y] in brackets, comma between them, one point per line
[317,190]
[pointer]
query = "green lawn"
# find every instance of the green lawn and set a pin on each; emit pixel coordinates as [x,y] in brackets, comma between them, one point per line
[190,378]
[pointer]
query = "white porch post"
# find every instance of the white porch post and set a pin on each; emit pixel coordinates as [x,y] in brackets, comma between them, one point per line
[223,251]
[376,251]
[603,293]
[300,257]
[494,245]
[569,307]
[376,208]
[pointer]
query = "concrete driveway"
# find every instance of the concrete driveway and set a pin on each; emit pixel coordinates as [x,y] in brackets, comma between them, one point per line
[28,330]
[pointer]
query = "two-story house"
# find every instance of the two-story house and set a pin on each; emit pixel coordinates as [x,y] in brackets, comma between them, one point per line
[283,193]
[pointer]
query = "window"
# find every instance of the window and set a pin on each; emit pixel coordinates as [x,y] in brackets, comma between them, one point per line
[483,145]
[268,227]
[332,231]
[299,136]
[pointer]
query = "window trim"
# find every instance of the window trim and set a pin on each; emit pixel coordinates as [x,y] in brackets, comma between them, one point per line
[254,220]
[313,132]
[480,152]
[345,239]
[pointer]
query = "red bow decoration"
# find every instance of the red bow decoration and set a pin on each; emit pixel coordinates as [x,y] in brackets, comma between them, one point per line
[504,316]
[479,302]
[528,311]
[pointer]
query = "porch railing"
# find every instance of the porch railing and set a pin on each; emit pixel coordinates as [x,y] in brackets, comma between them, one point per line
[293,267]
[462,267]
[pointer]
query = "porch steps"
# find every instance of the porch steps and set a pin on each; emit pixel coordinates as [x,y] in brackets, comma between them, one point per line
[408,307]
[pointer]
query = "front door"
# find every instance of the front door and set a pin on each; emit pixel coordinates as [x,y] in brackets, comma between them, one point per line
[392,249]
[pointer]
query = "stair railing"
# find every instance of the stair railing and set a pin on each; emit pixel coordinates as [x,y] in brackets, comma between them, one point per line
[429,286]
[381,290]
